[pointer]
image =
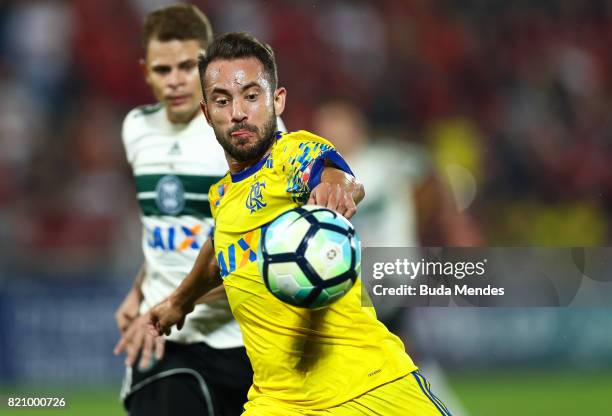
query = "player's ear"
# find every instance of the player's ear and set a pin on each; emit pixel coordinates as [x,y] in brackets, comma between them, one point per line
[205,111]
[280,96]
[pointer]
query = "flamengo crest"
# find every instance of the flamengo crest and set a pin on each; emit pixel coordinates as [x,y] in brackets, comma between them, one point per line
[254,201]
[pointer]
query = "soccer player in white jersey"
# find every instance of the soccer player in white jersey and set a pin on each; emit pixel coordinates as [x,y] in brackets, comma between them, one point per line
[203,368]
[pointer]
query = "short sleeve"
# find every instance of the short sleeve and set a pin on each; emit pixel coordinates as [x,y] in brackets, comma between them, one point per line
[128,134]
[306,156]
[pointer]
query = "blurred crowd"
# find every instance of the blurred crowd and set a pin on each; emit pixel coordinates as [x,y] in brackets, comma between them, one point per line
[511,100]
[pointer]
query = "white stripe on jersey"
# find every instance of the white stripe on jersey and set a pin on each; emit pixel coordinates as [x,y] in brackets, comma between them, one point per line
[188,195]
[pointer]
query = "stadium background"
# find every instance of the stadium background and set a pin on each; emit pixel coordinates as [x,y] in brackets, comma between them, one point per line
[516,93]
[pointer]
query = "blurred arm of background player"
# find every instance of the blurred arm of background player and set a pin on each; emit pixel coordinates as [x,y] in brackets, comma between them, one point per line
[439,221]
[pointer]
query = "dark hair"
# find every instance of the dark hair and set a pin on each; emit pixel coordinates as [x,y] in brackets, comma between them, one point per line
[177,22]
[236,45]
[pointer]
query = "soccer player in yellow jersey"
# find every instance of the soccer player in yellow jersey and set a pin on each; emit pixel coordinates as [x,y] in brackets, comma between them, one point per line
[339,360]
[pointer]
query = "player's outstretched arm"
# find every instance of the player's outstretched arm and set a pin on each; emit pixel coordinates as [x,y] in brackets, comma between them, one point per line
[137,341]
[338,191]
[203,277]
[215,294]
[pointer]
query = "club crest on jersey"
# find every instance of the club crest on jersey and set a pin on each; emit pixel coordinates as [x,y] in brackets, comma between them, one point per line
[170,195]
[254,201]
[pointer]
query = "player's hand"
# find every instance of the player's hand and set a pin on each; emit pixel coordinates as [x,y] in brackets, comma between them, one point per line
[164,315]
[137,340]
[335,197]
[127,311]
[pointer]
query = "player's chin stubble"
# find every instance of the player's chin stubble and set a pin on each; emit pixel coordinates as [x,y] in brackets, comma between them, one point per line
[249,153]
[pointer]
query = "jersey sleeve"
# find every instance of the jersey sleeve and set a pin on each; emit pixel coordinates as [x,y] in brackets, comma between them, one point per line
[305,155]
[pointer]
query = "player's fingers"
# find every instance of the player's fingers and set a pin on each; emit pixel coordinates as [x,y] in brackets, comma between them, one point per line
[134,347]
[153,323]
[180,323]
[322,194]
[343,201]
[122,326]
[123,321]
[349,207]
[162,328]
[152,328]
[120,346]
[334,197]
[125,340]
[349,213]
[312,200]
[147,352]
[160,347]
[130,355]
[119,320]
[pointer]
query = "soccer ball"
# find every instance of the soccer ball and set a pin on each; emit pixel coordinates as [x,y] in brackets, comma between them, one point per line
[309,256]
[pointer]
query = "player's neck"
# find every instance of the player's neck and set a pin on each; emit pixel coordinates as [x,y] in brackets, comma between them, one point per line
[236,166]
[180,120]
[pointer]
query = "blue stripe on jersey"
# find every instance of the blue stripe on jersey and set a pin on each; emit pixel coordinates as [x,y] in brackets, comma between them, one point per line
[249,171]
[317,167]
[442,409]
[231,254]
[432,393]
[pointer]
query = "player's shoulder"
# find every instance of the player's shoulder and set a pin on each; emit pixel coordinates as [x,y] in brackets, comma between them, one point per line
[287,143]
[301,136]
[138,120]
[143,112]
[218,188]
[217,191]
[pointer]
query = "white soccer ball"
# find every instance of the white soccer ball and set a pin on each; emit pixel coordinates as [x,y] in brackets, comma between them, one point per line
[309,256]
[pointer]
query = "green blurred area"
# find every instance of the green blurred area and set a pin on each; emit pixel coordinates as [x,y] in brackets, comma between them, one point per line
[527,393]
[498,393]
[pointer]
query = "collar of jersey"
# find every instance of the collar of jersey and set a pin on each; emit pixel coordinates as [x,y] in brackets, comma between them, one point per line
[250,170]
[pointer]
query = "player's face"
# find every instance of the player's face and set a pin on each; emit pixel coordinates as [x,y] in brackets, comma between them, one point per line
[171,69]
[241,106]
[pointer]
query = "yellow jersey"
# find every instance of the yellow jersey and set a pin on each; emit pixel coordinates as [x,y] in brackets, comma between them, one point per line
[311,359]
